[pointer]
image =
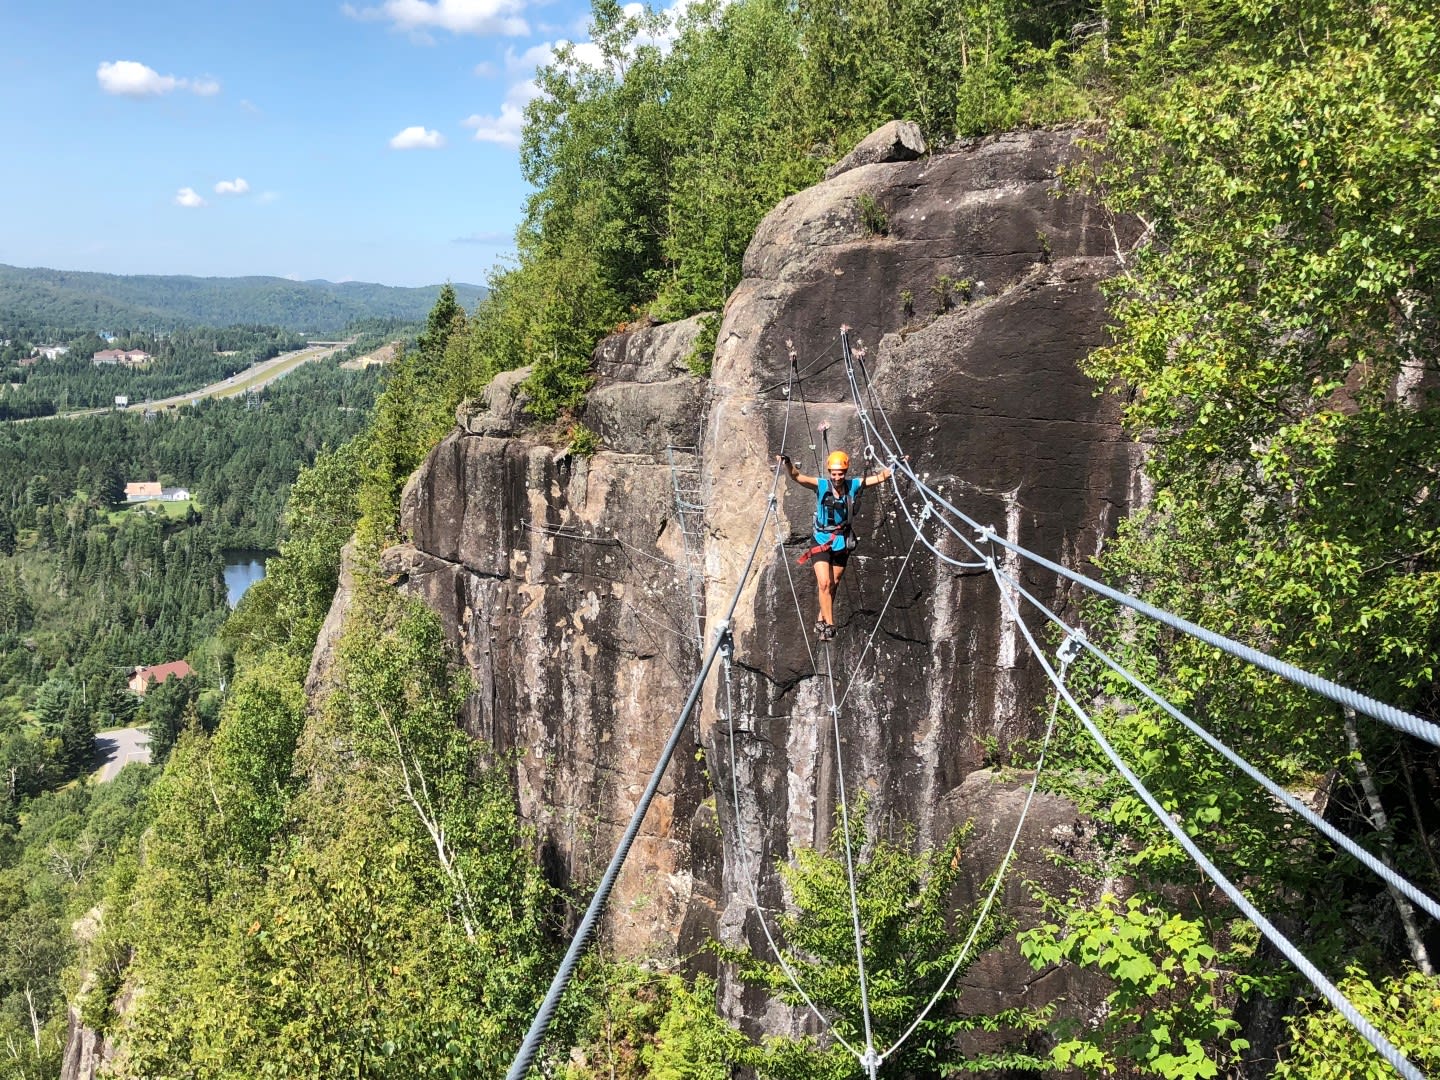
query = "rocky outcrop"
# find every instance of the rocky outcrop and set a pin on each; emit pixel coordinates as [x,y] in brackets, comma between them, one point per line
[87,1052]
[971,283]
[899,140]
[563,579]
[975,306]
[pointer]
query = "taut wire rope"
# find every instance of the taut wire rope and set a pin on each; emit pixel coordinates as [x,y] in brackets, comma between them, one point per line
[726,654]
[1342,1004]
[531,1044]
[1378,710]
[1342,695]
[1351,848]
[889,596]
[869,1060]
[1067,653]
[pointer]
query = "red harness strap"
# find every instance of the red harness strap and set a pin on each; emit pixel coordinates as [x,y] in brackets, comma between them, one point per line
[808,555]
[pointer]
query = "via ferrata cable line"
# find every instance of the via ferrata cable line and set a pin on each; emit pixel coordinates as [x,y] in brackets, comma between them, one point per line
[1069,650]
[531,1044]
[869,1061]
[873,1058]
[1351,848]
[1342,1004]
[1342,695]
[1387,714]
[1386,873]
[727,654]
[541,1022]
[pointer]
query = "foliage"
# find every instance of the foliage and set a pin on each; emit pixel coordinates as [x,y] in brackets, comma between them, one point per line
[904,906]
[41,300]
[873,218]
[643,1024]
[378,916]
[239,457]
[1407,1008]
[1167,1014]
[1272,327]
[181,361]
[50,878]
[583,441]
[286,608]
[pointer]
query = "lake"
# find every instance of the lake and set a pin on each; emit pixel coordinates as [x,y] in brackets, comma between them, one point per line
[243,569]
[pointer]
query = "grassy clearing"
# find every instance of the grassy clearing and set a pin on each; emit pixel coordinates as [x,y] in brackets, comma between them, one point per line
[164,508]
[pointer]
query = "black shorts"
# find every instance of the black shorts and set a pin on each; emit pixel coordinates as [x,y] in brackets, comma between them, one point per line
[836,559]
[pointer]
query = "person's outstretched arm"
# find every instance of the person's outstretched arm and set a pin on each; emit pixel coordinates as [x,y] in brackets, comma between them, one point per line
[871,479]
[795,474]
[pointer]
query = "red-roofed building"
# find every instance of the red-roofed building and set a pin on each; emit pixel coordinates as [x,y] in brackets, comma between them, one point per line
[145,677]
[140,490]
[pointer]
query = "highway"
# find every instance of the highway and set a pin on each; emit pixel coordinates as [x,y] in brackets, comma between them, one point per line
[255,377]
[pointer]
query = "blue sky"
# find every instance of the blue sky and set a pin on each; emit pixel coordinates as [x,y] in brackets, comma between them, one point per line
[374,140]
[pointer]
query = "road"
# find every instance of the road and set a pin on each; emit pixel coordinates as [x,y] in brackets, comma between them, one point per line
[252,378]
[116,749]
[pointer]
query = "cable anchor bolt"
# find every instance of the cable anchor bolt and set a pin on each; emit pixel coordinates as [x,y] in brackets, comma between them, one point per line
[727,644]
[1069,650]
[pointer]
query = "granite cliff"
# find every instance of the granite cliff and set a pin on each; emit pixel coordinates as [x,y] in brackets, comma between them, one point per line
[572,584]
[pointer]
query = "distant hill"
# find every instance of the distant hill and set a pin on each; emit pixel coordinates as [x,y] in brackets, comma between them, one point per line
[70,300]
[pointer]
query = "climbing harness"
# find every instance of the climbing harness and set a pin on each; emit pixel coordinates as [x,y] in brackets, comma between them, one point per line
[834,517]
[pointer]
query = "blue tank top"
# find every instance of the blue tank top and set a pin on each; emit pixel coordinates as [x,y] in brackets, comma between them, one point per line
[832,511]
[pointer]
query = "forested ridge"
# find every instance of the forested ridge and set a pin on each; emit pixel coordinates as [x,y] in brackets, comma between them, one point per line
[90,588]
[179,361]
[290,899]
[42,302]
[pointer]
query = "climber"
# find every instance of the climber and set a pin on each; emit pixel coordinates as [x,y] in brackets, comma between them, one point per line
[835,496]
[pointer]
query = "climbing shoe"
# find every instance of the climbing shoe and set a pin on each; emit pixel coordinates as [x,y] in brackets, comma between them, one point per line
[825,631]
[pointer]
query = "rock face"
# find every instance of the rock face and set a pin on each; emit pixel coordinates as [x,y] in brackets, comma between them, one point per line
[564,580]
[899,140]
[572,584]
[87,1052]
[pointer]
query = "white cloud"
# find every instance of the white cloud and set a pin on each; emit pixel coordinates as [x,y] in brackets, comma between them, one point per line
[238,186]
[536,56]
[487,239]
[504,129]
[457,16]
[267,197]
[188,197]
[417,138]
[486,70]
[130,78]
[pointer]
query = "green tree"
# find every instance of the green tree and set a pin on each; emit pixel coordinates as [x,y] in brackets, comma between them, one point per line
[903,900]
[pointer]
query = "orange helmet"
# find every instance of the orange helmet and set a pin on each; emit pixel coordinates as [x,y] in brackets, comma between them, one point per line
[838,460]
